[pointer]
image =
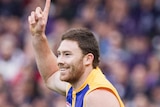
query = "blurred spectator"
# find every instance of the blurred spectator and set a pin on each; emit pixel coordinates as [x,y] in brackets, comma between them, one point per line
[155,94]
[60,102]
[10,8]
[138,47]
[140,100]
[118,75]
[153,74]
[145,14]
[11,58]
[137,82]
[119,16]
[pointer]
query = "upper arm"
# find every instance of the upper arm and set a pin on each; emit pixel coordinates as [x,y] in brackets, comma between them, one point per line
[101,98]
[54,83]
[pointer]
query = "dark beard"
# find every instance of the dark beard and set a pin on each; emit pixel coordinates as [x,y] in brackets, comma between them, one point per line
[78,72]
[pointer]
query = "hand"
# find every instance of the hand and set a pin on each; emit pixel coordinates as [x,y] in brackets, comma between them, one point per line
[38,20]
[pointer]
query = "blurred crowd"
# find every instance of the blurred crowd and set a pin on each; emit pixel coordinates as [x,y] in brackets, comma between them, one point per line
[128,32]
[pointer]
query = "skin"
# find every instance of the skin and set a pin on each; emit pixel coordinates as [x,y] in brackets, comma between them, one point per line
[70,65]
[69,61]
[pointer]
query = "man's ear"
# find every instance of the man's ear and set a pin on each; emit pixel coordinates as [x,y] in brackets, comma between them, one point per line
[88,59]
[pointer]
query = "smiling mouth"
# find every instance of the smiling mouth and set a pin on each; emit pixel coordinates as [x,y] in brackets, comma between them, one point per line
[62,69]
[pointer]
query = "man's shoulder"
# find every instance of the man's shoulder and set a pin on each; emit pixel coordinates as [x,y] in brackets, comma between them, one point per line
[101,97]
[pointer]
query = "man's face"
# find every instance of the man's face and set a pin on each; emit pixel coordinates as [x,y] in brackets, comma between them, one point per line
[70,61]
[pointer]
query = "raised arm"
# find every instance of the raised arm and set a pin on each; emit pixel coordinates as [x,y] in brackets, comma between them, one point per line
[45,59]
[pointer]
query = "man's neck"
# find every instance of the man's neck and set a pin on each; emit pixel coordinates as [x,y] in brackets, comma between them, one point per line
[83,78]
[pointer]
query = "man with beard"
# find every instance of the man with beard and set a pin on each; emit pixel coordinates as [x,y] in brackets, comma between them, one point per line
[75,72]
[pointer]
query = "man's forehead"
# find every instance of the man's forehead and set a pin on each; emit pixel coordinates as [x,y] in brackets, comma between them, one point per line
[68,45]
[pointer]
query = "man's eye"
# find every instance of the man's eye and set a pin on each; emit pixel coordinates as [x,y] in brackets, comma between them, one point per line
[67,54]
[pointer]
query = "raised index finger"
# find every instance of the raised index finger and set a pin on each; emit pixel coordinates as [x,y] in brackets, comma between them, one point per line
[46,9]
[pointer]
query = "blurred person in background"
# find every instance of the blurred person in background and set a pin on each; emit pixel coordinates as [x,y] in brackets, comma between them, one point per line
[5,100]
[153,74]
[155,94]
[144,14]
[118,74]
[60,102]
[140,100]
[139,49]
[137,82]
[10,8]
[119,15]
[11,58]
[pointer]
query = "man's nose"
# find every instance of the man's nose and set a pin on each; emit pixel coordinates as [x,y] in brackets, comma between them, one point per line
[60,59]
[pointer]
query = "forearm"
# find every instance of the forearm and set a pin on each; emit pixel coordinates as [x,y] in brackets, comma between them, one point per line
[45,58]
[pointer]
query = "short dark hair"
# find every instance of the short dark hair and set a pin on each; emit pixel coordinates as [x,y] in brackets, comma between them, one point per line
[86,41]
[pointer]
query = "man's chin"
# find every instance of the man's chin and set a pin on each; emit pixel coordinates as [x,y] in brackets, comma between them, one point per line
[63,79]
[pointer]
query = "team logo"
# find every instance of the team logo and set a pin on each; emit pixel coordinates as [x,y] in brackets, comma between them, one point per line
[68,104]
